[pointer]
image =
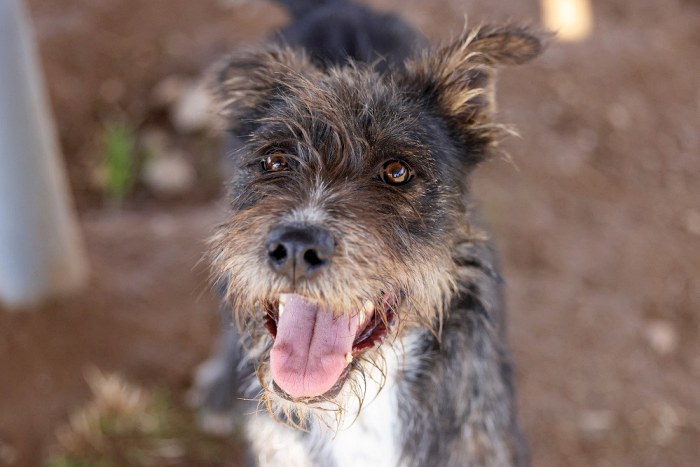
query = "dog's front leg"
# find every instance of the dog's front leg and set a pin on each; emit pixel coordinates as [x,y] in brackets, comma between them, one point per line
[457,401]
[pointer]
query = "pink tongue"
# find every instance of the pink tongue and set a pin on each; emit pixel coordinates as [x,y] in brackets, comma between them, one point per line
[309,353]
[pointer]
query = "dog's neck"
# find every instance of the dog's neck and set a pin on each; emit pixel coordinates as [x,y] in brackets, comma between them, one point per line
[457,402]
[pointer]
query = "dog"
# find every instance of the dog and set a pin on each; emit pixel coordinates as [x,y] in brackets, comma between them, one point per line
[366,298]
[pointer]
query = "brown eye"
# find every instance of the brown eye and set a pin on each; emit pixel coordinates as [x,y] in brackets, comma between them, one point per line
[275,163]
[396,173]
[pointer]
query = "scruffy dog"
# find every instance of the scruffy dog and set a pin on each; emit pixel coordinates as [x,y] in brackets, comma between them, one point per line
[365,294]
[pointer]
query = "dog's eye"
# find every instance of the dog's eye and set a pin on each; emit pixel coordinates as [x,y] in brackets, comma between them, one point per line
[275,162]
[396,173]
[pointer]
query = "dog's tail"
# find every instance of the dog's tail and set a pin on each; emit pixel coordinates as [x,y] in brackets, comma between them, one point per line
[301,8]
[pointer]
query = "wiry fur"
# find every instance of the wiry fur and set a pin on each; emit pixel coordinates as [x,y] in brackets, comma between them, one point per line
[418,244]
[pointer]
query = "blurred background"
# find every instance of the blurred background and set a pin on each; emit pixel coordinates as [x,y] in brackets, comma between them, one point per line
[596,213]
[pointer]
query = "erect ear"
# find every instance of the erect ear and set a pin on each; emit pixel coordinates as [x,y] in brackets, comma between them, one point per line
[246,84]
[458,78]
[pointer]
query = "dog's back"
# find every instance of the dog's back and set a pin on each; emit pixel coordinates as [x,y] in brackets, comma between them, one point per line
[335,31]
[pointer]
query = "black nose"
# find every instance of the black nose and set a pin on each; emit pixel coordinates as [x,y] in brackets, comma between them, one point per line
[299,252]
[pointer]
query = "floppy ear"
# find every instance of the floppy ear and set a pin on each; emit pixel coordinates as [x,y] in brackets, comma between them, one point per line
[457,79]
[246,84]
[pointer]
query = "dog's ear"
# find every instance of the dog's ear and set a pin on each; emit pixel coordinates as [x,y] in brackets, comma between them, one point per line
[247,83]
[458,79]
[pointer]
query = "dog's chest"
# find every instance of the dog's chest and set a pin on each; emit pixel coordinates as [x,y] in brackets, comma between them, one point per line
[373,439]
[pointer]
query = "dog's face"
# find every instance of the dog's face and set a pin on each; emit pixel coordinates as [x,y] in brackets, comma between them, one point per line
[349,198]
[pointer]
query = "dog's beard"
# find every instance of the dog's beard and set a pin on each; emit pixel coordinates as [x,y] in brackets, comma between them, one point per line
[416,288]
[361,381]
[314,364]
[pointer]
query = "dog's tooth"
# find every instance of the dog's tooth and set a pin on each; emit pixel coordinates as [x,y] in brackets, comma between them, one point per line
[348,357]
[281,302]
[367,309]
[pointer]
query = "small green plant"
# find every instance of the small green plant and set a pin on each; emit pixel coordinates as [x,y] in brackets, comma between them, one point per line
[119,161]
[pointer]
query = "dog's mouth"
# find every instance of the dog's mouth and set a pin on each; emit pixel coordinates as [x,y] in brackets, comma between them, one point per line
[313,351]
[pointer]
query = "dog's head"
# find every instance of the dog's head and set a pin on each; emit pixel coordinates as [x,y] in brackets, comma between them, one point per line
[349,198]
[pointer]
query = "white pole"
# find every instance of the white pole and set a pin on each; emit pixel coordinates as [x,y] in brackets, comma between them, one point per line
[41,252]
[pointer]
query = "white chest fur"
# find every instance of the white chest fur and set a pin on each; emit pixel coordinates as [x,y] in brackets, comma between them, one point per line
[373,439]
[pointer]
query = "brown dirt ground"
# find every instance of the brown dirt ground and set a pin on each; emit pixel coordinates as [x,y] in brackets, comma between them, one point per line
[598,220]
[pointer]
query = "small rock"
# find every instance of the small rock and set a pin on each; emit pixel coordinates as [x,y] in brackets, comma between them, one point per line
[661,336]
[192,112]
[593,423]
[619,116]
[169,175]
[692,222]
[171,449]
[169,90]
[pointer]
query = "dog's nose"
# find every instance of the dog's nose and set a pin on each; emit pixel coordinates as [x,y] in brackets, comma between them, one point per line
[299,252]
